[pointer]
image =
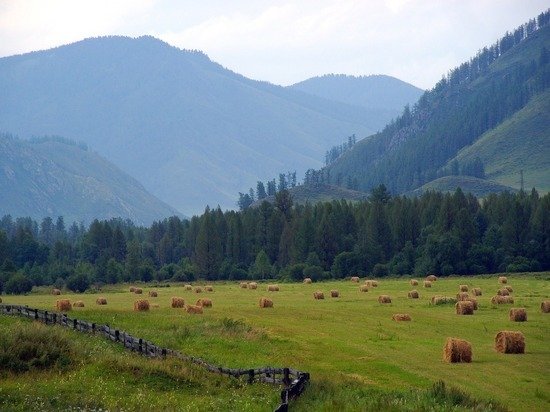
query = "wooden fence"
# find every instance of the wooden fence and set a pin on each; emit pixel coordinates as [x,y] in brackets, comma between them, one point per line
[294,381]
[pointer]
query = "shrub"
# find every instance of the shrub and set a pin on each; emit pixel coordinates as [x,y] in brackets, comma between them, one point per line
[313,272]
[78,282]
[18,284]
[380,270]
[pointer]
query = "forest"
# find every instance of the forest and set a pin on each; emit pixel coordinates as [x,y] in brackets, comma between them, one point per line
[444,234]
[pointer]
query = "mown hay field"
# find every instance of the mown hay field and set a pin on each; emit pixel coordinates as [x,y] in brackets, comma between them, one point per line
[349,343]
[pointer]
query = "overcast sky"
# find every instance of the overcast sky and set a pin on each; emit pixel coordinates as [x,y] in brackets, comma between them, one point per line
[282,41]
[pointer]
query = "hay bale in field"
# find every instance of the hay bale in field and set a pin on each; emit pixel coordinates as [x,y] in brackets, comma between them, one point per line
[442,300]
[355,279]
[243,285]
[401,317]
[364,288]
[500,300]
[518,315]
[308,280]
[204,302]
[510,342]
[334,294]
[318,295]
[77,304]
[56,292]
[457,350]
[503,292]
[132,289]
[502,279]
[413,294]
[384,299]
[198,289]
[177,302]
[463,288]
[460,296]
[63,305]
[188,287]
[272,288]
[371,283]
[476,291]
[101,301]
[138,291]
[209,288]
[431,278]
[427,283]
[474,302]
[153,293]
[155,305]
[141,305]
[464,308]
[509,289]
[266,303]
[252,285]
[545,306]
[193,310]
[414,282]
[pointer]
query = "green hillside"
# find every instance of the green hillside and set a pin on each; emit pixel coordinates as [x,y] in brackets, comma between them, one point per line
[53,177]
[521,142]
[477,187]
[319,193]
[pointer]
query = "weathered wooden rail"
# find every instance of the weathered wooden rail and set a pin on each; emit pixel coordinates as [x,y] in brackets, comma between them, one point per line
[294,381]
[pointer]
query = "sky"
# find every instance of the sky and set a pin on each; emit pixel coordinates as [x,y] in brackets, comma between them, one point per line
[283,41]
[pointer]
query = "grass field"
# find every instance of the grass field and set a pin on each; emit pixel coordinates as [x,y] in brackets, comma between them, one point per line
[359,359]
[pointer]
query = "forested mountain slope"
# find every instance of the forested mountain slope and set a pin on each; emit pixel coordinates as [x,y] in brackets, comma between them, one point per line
[53,177]
[190,130]
[476,98]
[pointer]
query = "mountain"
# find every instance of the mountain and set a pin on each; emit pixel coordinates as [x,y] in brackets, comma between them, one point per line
[55,177]
[478,187]
[302,194]
[193,132]
[371,92]
[487,119]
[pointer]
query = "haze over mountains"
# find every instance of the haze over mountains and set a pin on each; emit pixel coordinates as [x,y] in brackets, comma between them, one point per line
[191,131]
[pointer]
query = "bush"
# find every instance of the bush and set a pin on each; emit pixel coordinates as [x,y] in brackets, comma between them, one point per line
[18,284]
[314,272]
[78,282]
[26,346]
[380,270]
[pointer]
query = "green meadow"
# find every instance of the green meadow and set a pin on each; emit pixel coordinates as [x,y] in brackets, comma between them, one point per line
[358,357]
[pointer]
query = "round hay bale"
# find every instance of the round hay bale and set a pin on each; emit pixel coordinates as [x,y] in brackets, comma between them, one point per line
[334,294]
[457,350]
[272,288]
[413,294]
[545,306]
[500,300]
[384,299]
[204,302]
[266,303]
[318,295]
[474,302]
[252,285]
[364,288]
[414,282]
[243,285]
[56,292]
[464,308]
[138,291]
[442,300]
[132,289]
[510,342]
[101,301]
[198,289]
[77,304]
[63,305]
[355,279]
[427,283]
[463,288]
[398,317]
[371,283]
[188,287]
[503,292]
[141,305]
[518,315]
[509,289]
[502,279]
[476,291]
[431,278]
[153,294]
[209,288]
[193,310]
[177,302]
[308,280]
[460,296]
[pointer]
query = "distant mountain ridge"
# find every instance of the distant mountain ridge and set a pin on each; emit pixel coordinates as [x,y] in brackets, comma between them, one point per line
[54,177]
[193,132]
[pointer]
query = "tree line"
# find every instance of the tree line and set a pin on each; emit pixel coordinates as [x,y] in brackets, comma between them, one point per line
[435,233]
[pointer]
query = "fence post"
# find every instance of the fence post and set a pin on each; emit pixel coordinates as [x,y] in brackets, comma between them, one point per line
[250,375]
[286,376]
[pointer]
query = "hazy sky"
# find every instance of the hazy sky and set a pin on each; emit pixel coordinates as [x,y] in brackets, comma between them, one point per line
[282,41]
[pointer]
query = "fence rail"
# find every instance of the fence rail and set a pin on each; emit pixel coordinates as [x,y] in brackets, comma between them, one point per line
[294,381]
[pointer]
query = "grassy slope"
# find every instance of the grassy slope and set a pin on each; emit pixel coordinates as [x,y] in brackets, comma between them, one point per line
[468,184]
[522,142]
[350,345]
[320,193]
